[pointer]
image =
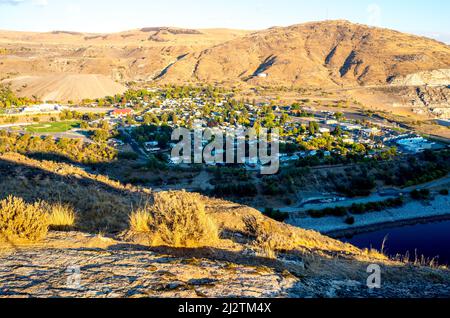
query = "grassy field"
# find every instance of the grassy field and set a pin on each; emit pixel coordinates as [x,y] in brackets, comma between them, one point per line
[53,127]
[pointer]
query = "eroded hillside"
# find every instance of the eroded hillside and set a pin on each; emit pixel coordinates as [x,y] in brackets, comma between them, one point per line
[330,53]
[326,54]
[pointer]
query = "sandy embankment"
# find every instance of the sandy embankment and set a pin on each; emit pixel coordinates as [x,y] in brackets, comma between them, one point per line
[65,87]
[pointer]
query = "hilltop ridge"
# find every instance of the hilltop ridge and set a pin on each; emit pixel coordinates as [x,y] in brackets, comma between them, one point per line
[329,53]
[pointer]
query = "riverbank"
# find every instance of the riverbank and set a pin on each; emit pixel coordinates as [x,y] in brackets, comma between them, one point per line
[411,213]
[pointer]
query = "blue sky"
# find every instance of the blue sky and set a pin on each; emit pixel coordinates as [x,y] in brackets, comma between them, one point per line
[430,17]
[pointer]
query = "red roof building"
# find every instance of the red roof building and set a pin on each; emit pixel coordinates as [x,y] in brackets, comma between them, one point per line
[121,112]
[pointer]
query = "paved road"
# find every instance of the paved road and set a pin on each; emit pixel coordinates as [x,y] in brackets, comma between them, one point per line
[136,147]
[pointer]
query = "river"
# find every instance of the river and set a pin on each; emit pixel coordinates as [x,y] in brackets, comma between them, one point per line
[430,240]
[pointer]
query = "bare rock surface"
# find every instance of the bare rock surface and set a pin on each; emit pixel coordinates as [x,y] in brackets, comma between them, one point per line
[85,266]
[122,270]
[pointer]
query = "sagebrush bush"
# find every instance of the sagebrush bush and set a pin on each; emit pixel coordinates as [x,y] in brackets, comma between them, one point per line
[176,219]
[20,221]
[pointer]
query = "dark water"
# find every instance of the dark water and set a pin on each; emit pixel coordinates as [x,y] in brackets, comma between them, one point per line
[430,240]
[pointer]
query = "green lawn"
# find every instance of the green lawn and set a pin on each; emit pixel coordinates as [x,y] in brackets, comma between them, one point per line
[53,127]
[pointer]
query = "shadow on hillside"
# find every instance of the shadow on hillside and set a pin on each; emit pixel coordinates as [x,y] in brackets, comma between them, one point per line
[59,158]
[101,204]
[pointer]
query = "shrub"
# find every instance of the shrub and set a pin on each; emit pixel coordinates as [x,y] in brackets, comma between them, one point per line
[61,217]
[242,190]
[358,208]
[20,221]
[277,215]
[266,239]
[128,155]
[337,212]
[175,219]
[443,192]
[423,194]
[350,220]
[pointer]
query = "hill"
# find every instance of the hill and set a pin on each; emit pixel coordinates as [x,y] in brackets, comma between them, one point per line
[253,257]
[323,53]
[66,87]
[330,53]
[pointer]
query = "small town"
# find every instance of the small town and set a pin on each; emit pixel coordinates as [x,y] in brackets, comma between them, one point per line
[305,131]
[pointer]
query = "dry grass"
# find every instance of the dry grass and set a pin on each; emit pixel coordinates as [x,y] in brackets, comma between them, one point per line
[140,220]
[266,238]
[175,219]
[100,203]
[22,222]
[61,217]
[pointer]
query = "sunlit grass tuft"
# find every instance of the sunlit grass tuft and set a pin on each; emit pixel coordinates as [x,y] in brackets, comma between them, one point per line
[61,217]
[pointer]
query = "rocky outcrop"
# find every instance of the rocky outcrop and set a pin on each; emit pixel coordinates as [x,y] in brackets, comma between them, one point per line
[439,77]
[76,265]
[433,101]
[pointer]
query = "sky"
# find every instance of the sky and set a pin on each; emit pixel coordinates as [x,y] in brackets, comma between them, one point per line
[423,17]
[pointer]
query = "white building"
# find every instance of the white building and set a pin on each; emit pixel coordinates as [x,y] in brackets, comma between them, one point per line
[324,130]
[42,108]
[350,127]
[371,131]
[415,144]
[151,144]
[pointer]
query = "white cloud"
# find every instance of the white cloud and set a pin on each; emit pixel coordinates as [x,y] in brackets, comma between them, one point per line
[375,13]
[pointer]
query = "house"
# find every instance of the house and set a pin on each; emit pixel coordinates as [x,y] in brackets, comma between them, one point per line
[152,150]
[117,113]
[331,122]
[371,131]
[350,127]
[151,144]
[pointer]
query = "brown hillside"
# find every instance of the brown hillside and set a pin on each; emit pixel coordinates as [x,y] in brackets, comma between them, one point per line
[65,87]
[325,54]
[253,257]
